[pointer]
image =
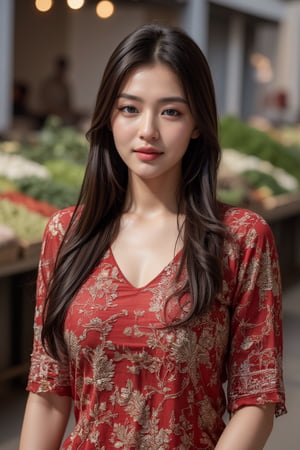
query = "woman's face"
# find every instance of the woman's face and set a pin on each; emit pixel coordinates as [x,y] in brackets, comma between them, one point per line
[152,123]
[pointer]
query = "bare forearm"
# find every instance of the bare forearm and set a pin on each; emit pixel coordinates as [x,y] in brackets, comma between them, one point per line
[45,420]
[248,429]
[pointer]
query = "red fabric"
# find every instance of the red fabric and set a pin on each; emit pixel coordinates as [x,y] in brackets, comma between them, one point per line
[137,384]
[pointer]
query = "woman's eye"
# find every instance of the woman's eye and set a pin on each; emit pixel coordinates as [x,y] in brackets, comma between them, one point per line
[129,109]
[171,112]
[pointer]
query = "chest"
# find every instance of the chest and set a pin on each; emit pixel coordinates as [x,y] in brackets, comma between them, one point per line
[111,319]
[143,249]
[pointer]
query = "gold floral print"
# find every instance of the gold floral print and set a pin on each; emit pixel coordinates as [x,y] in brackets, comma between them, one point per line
[138,383]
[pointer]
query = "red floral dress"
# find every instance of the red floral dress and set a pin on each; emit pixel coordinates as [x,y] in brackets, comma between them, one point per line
[137,384]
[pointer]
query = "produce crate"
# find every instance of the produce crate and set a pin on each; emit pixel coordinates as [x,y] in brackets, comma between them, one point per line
[279,207]
[30,249]
[9,252]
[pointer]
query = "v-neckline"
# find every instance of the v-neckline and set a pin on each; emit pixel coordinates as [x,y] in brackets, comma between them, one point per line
[148,284]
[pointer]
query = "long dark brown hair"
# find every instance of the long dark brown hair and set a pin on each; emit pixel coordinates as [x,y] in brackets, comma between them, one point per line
[96,219]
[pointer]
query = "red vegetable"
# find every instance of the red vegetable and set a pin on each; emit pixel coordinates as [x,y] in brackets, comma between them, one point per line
[30,203]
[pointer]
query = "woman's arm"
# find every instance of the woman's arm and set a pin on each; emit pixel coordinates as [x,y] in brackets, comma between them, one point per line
[248,428]
[45,420]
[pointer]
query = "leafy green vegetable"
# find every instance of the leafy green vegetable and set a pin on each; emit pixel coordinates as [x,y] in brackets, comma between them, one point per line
[258,179]
[6,185]
[65,172]
[234,196]
[237,135]
[56,141]
[26,224]
[50,191]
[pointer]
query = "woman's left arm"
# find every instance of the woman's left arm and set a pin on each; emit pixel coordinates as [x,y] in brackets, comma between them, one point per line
[254,366]
[248,428]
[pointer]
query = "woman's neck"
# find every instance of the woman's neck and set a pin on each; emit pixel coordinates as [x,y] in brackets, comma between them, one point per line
[151,197]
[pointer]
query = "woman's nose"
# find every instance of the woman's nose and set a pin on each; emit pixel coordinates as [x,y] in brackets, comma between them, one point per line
[148,127]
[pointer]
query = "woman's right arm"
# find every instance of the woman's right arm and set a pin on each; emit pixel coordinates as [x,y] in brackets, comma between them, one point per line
[45,420]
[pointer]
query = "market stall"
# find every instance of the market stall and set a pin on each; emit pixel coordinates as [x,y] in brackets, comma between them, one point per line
[38,176]
[259,170]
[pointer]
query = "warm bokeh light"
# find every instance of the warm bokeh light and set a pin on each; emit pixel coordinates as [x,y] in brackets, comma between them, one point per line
[263,67]
[43,5]
[75,4]
[105,9]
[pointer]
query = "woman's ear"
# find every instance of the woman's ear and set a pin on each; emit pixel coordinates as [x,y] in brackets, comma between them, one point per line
[195,133]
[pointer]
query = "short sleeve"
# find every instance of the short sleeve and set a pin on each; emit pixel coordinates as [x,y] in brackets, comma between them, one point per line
[46,374]
[255,359]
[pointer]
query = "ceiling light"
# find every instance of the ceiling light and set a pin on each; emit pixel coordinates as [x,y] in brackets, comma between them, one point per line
[105,9]
[75,4]
[43,5]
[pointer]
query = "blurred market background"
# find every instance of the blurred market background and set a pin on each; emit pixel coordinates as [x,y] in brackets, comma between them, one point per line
[253,48]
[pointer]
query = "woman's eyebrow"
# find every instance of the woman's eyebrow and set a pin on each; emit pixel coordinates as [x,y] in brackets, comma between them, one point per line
[161,100]
[172,99]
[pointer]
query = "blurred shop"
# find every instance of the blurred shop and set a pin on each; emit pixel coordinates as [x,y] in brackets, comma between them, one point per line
[253,50]
[251,47]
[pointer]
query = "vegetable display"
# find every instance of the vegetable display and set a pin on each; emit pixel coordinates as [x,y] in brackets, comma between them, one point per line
[256,173]
[49,191]
[65,172]
[30,203]
[39,176]
[26,224]
[45,173]
[55,141]
[238,135]
[14,167]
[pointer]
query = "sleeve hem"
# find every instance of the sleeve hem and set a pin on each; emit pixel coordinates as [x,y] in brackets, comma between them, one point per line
[276,398]
[40,388]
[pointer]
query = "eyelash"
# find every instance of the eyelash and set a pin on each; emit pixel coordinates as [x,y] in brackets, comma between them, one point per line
[177,113]
[128,107]
[133,110]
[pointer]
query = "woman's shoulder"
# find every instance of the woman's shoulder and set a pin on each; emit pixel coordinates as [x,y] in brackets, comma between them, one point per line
[59,221]
[242,221]
[54,233]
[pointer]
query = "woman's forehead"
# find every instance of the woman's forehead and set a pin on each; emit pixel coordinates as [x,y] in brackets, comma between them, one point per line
[153,79]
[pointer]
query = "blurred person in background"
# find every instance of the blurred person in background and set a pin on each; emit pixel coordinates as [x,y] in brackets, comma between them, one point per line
[24,118]
[151,294]
[20,99]
[56,93]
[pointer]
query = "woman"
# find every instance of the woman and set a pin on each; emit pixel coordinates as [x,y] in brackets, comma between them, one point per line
[150,293]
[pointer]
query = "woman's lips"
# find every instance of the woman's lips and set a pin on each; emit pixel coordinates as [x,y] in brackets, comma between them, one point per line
[147,153]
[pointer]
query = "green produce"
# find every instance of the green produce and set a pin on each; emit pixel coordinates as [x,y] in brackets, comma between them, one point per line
[289,135]
[49,191]
[258,179]
[56,141]
[6,185]
[26,224]
[65,172]
[234,196]
[236,134]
